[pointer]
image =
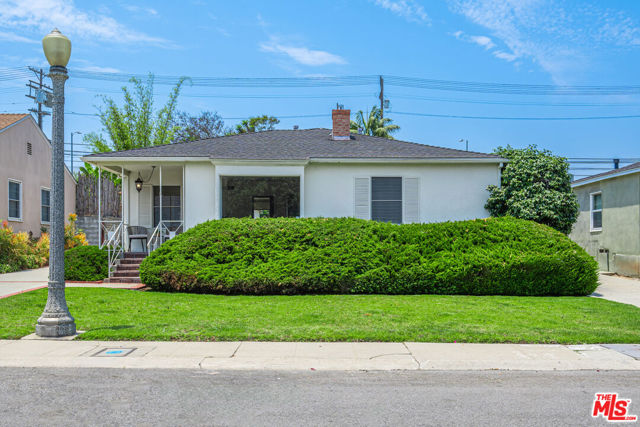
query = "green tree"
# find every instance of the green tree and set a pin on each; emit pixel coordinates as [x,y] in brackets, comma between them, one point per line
[257,124]
[536,185]
[206,125]
[372,123]
[134,124]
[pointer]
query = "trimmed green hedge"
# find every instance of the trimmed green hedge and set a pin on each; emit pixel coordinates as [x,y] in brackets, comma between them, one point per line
[496,256]
[86,263]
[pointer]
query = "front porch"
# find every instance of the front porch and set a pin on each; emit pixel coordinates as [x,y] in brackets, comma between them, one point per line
[162,199]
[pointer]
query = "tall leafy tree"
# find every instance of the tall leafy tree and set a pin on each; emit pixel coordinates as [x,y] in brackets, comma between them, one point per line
[536,185]
[372,123]
[206,125]
[135,124]
[257,124]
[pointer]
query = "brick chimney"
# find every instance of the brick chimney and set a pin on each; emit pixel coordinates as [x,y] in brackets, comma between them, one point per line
[341,124]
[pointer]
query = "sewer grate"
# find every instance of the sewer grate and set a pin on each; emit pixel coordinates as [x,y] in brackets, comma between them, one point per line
[114,352]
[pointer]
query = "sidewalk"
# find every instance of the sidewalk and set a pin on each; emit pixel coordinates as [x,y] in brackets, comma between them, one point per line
[30,280]
[30,352]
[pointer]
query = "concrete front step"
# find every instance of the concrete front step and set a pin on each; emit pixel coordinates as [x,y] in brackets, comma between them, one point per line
[119,279]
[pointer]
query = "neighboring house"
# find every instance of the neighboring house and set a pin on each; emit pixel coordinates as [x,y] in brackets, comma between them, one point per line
[297,173]
[25,175]
[608,226]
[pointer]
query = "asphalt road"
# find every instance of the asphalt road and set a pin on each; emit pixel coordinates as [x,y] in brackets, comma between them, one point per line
[199,397]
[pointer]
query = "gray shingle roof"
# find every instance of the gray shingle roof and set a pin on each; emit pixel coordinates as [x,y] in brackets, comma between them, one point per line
[604,175]
[296,145]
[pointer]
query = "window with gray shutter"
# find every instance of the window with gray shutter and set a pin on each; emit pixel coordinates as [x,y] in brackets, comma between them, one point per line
[386,199]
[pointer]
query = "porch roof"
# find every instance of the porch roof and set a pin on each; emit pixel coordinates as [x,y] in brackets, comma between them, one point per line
[306,144]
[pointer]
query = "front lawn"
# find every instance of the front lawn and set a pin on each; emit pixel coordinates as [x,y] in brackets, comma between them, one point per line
[114,314]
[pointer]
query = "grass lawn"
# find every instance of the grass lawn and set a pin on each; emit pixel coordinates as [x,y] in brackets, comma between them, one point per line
[113,314]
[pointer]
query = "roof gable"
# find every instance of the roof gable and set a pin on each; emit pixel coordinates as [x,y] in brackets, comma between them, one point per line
[7,120]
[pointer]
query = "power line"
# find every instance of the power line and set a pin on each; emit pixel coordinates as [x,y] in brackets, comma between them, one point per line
[453,116]
[358,80]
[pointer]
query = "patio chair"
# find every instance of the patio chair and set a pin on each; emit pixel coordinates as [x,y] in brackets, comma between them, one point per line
[137,232]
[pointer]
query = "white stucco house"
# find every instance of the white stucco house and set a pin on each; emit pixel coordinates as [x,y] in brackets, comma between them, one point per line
[295,173]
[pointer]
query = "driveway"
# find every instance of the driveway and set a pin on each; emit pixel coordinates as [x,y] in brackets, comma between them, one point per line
[21,281]
[619,289]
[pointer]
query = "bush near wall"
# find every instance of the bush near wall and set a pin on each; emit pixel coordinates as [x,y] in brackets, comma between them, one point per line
[496,256]
[85,263]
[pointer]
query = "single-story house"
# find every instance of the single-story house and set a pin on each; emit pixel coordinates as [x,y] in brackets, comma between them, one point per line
[295,173]
[25,175]
[608,226]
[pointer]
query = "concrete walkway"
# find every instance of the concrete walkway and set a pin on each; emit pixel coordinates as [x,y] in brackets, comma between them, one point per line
[29,280]
[620,289]
[30,352]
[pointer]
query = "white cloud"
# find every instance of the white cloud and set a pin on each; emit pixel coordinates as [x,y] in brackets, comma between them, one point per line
[483,41]
[407,9]
[302,55]
[44,15]
[16,38]
[138,9]
[556,35]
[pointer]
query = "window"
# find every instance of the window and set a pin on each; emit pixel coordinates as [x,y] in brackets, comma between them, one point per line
[386,199]
[596,211]
[15,200]
[170,204]
[45,203]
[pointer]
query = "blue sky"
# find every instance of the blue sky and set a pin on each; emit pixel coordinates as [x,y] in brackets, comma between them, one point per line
[563,42]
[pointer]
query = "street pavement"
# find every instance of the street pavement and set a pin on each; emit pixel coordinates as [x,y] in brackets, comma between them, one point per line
[81,397]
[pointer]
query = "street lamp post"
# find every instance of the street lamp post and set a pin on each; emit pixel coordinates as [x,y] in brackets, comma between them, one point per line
[56,321]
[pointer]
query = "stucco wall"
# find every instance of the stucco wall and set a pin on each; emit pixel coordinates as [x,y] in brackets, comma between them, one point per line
[447,191]
[199,193]
[620,223]
[33,170]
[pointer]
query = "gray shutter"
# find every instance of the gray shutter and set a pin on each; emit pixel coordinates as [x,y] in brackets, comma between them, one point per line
[362,193]
[411,199]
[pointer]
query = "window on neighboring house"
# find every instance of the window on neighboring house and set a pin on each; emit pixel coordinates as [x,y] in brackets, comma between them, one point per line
[15,200]
[596,211]
[170,205]
[45,202]
[386,199]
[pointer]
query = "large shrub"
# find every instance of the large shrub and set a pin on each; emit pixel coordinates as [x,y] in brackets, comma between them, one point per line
[18,251]
[536,185]
[85,263]
[497,256]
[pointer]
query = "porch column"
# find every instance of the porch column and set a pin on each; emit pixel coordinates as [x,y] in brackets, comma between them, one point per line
[100,206]
[160,219]
[301,201]
[122,233]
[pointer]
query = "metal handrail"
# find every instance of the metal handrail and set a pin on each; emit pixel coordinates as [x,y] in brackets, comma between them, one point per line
[162,233]
[114,244]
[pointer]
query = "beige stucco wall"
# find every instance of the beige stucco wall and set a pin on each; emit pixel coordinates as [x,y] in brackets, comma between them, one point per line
[34,171]
[620,232]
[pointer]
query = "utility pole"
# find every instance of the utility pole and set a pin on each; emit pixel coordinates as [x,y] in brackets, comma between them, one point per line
[39,92]
[72,133]
[381,97]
